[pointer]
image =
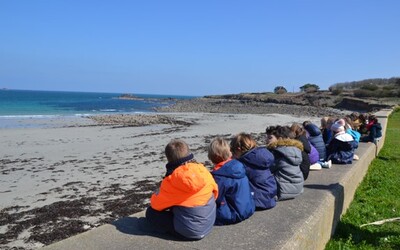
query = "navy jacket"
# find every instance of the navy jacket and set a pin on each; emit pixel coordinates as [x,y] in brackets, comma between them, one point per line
[258,162]
[341,149]
[235,202]
[374,132]
[316,139]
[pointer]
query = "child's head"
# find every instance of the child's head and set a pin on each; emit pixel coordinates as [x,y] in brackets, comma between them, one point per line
[373,119]
[349,122]
[241,143]
[297,129]
[176,149]
[275,133]
[219,150]
[324,122]
[330,122]
[337,128]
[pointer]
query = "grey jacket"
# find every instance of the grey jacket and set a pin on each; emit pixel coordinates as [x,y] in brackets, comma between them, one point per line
[286,170]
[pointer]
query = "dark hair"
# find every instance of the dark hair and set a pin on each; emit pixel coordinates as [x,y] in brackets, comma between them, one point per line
[280,132]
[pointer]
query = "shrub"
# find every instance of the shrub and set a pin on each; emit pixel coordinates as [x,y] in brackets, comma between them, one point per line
[336,91]
[280,90]
[370,87]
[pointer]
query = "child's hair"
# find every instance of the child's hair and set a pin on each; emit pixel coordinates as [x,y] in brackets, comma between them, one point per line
[297,129]
[243,141]
[280,132]
[219,150]
[330,122]
[349,122]
[373,118]
[176,149]
[324,122]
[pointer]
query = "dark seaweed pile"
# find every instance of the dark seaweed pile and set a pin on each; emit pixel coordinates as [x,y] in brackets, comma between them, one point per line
[63,219]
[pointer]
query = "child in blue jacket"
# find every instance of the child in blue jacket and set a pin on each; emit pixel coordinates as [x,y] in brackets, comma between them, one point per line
[258,162]
[235,202]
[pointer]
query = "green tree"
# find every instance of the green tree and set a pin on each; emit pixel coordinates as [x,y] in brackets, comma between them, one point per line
[280,90]
[309,87]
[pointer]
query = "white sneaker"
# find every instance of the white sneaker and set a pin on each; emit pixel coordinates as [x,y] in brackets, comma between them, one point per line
[326,164]
[315,166]
[355,157]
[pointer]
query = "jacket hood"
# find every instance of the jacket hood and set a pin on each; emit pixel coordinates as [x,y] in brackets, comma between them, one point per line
[313,129]
[232,169]
[344,137]
[258,158]
[286,143]
[290,149]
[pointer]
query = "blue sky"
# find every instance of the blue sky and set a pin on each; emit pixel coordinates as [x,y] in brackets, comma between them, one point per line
[195,47]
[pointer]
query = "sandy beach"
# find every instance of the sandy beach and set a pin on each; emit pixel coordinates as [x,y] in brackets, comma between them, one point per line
[68,177]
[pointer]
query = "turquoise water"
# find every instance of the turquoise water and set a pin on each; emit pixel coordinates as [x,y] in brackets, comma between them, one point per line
[22,103]
[17,105]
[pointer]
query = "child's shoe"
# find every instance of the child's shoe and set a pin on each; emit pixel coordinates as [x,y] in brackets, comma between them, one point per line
[315,166]
[326,164]
[355,157]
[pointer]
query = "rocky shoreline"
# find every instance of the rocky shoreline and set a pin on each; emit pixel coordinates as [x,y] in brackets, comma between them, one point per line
[214,105]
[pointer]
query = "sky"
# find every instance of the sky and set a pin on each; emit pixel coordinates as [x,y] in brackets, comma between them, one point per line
[195,48]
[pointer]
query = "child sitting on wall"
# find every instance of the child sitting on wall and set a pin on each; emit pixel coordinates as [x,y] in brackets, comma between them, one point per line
[235,202]
[185,204]
[341,148]
[374,130]
[257,162]
[288,157]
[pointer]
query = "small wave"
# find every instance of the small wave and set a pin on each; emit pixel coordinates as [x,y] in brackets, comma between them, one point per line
[29,116]
[108,110]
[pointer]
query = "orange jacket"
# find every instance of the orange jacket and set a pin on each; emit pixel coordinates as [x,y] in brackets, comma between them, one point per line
[190,185]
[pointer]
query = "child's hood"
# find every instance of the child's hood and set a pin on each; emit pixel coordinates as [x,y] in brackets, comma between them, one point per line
[190,177]
[344,137]
[232,169]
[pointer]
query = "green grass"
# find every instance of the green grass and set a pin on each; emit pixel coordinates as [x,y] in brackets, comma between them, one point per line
[377,198]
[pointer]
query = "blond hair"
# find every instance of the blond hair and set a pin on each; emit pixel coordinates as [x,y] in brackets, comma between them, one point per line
[176,149]
[219,150]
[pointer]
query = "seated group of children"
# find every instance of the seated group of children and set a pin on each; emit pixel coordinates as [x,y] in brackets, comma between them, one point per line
[245,177]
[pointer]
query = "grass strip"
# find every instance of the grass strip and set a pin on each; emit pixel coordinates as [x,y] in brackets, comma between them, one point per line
[377,198]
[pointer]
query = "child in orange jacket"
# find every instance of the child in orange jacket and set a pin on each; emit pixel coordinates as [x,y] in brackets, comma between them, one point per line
[185,204]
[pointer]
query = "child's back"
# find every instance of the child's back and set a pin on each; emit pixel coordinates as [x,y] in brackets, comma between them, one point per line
[185,204]
[235,202]
[257,162]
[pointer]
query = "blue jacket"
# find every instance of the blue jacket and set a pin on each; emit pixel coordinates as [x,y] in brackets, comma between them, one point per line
[258,162]
[235,202]
[341,149]
[316,139]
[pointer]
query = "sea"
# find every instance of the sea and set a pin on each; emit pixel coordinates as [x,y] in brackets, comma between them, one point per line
[26,105]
